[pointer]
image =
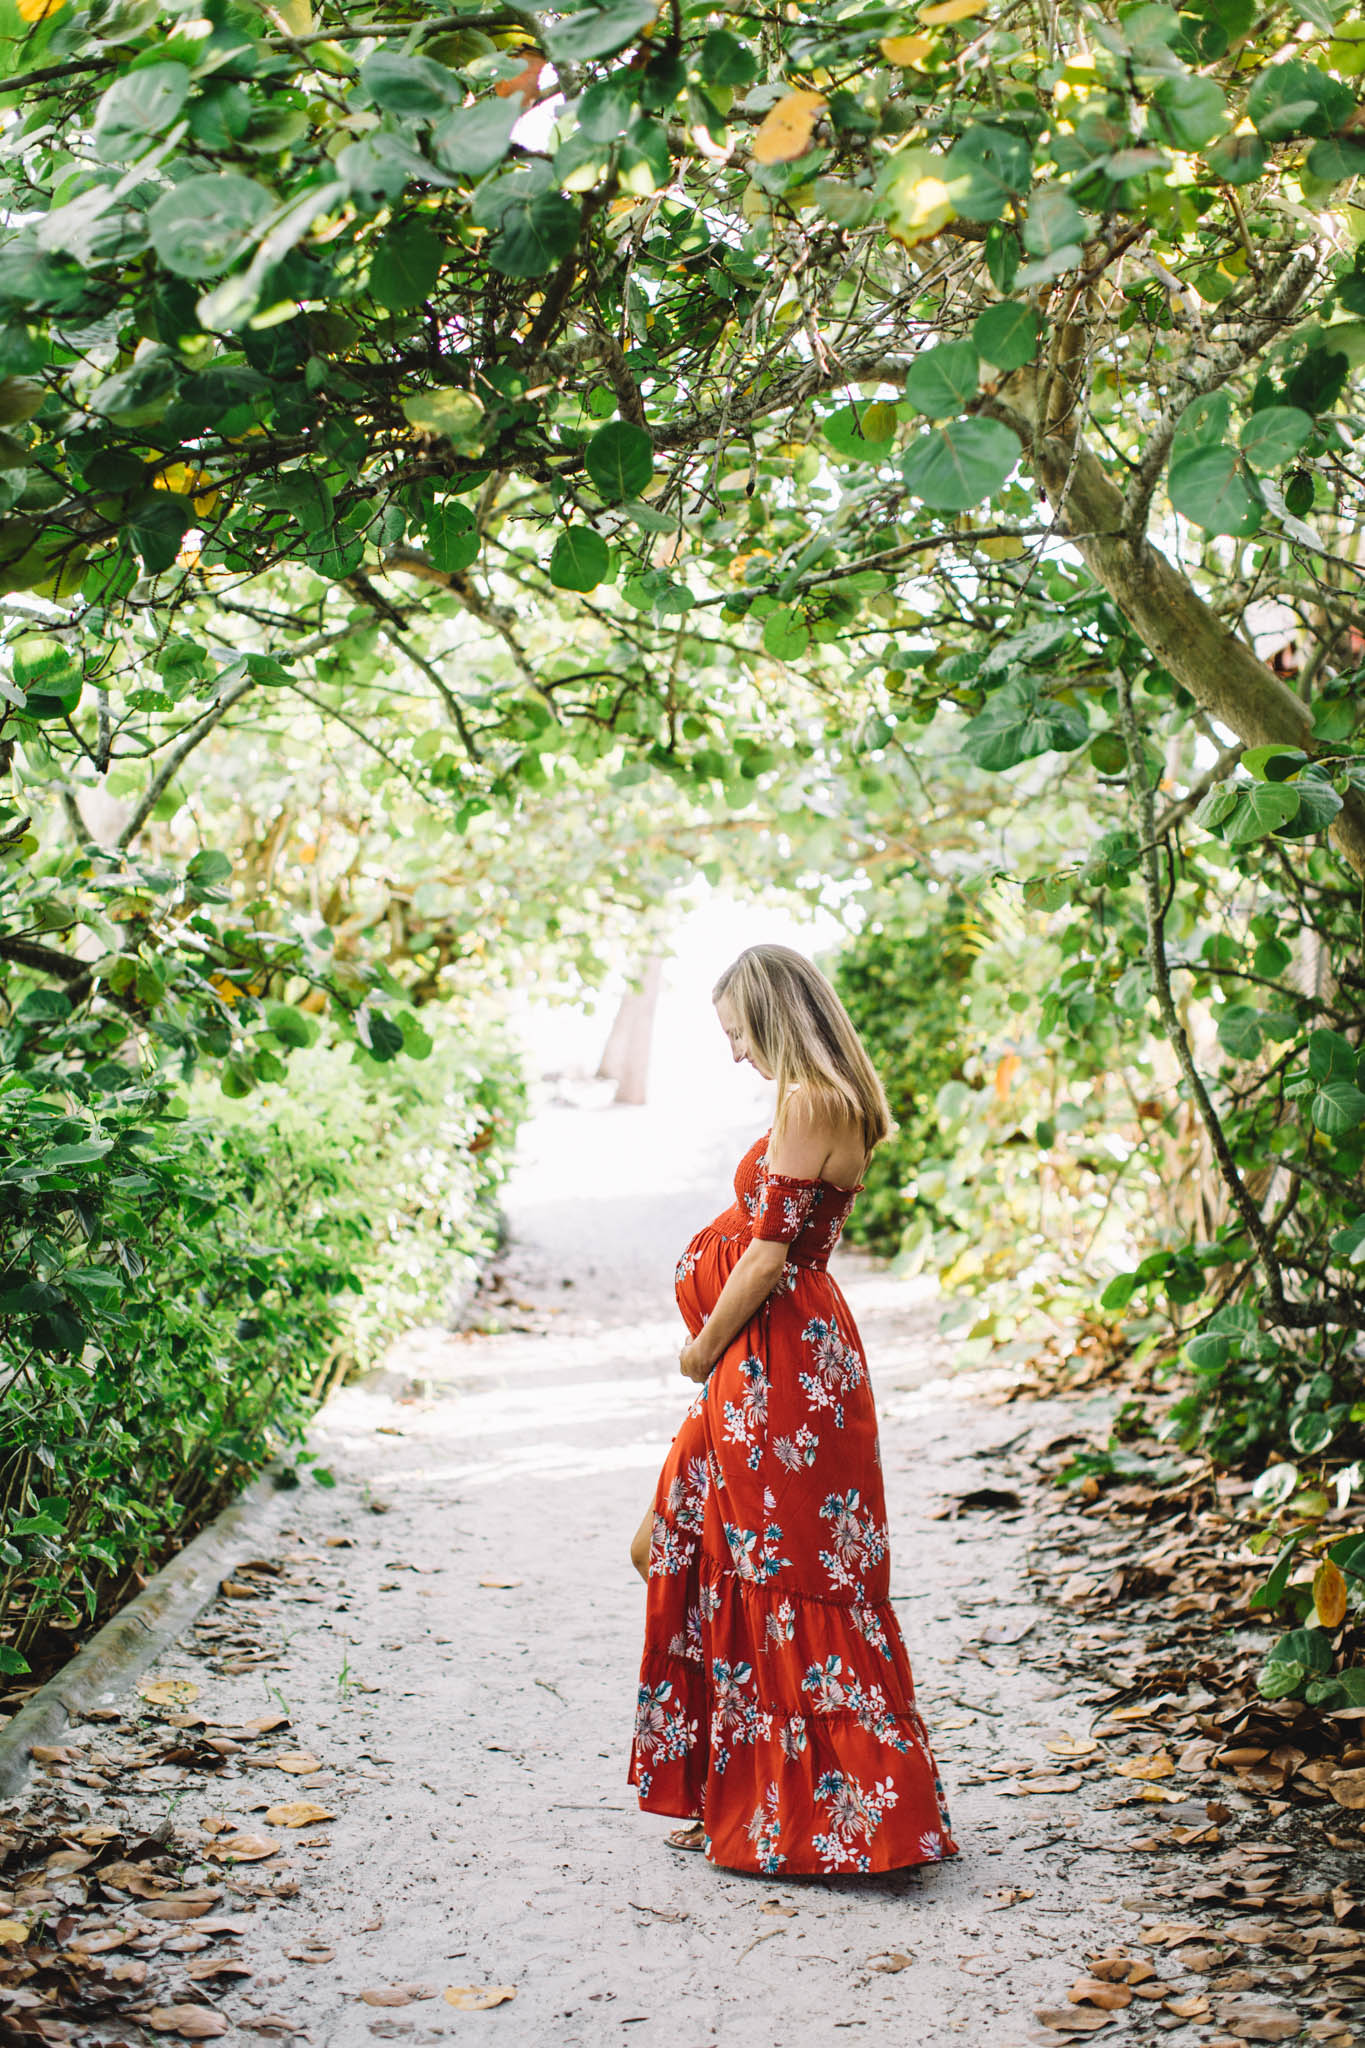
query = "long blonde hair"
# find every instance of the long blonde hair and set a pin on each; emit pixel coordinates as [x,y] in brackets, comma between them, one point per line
[794,1021]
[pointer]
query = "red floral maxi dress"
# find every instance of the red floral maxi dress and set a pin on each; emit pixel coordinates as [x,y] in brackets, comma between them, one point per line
[776,1700]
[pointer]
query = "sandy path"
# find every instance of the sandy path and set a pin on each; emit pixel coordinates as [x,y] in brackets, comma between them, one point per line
[484,1830]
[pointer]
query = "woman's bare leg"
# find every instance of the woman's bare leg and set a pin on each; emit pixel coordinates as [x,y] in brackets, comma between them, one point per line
[640,1544]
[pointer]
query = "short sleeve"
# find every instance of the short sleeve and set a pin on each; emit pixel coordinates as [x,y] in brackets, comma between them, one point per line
[784,1206]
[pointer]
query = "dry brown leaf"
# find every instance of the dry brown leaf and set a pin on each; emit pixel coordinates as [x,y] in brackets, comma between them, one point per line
[243,1848]
[191,2022]
[264,1724]
[218,1966]
[51,1753]
[126,1973]
[1025,1787]
[786,129]
[777,1909]
[1110,1997]
[397,1994]
[1073,2019]
[179,1906]
[301,1763]
[297,1813]
[1192,2008]
[168,1692]
[1348,1788]
[1009,1895]
[1072,1746]
[1116,1969]
[890,1960]
[499,1585]
[1170,1934]
[1258,2022]
[100,1939]
[479,1997]
[1329,1594]
[216,1824]
[12,1933]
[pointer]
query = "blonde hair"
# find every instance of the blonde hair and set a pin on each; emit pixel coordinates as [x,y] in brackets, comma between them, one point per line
[794,1021]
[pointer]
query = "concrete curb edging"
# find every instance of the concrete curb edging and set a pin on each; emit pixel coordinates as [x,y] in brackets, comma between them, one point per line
[134,1637]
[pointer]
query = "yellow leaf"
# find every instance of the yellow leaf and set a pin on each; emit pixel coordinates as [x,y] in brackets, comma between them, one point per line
[1329,1594]
[906,51]
[168,1692]
[479,1997]
[1005,1073]
[12,1932]
[950,10]
[297,1813]
[785,130]
[1158,1766]
[38,10]
[295,16]
[915,196]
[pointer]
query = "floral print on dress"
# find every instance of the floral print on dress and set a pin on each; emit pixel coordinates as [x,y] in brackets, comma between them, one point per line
[776,1696]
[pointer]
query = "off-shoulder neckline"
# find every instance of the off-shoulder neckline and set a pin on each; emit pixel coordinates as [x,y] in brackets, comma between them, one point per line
[818,1181]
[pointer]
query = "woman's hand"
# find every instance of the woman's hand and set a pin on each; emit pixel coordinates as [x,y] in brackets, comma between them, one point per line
[693,1364]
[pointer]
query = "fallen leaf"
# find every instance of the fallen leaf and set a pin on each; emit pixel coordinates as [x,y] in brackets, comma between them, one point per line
[236,1589]
[479,1997]
[499,1585]
[1110,1997]
[168,1692]
[1329,1594]
[1171,1933]
[1009,1895]
[297,1813]
[51,1753]
[777,1909]
[218,1966]
[1348,1788]
[1073,2019]
[1072,1746]
[264,1724]
[397,1994]
[786,129]
[300,1762]
[1145,1767]
[243,1848]
[12,1932]
[179,1905]
[1024,1788]
[1263,2022]
[890,1961]
[192,2022]
[1193,2008]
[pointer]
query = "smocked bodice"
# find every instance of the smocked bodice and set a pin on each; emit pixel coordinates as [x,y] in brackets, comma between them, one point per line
[808,1215]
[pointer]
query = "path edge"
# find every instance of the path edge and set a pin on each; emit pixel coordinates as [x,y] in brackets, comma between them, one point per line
[136,1635]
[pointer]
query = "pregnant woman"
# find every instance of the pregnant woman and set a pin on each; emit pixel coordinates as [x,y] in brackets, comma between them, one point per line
[776,1708]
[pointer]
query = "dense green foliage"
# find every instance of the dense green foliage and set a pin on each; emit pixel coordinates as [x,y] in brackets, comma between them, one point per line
[851,440]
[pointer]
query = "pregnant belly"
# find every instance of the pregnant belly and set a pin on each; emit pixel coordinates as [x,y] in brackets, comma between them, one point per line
[702,1272]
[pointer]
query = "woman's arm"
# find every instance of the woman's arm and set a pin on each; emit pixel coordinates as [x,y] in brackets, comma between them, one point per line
[756,1272]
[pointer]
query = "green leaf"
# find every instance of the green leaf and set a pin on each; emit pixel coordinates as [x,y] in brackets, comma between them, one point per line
[138,108]
[1269,1595]
[1273,436]
[204,225]
[944,380]
[1209,1351]
[12,1662]
[291,1026]
[1318,805]
[156,526]
[1238,159]
[725,60]
[607,109]
[208,867]
[580,559]
[475,139]
[1275,763]
[598,31]
[452,537]
[1309,1647]
[1239,1030]
[456,416]
[1120,1291]
[986,168]
[1349,1244]
[1338,1107]
[405,267]
[1262,809]
[1213,488]
[1341,156]
[1281,1677]
[1055,223]
[955,466]
[1189,111]
[620,460]
[1331,1057]
[1295,98]
[382,1037]
[1018,723]
[535,235]
[410,85]
[786,634]
[1311,1432]
[1007,335]
[849,434]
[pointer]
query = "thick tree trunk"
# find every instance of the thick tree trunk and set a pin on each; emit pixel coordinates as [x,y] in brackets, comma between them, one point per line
[1221,673]
[625,1059]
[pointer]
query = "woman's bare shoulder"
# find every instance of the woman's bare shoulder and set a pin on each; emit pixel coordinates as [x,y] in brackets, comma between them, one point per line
[813,1132]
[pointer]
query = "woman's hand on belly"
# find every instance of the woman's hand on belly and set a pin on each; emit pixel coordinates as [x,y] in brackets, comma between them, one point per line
[752,1280]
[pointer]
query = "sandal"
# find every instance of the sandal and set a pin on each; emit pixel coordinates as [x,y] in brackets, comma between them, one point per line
[693,1836]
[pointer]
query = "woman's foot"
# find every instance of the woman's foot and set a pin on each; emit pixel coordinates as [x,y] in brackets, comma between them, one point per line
[693,1836]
